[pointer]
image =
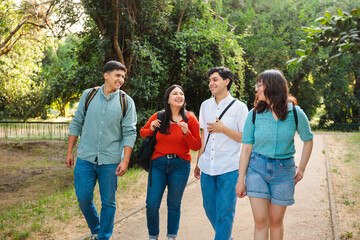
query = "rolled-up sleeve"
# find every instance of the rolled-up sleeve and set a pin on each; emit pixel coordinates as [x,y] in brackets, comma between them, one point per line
[304,129]
[129,124]
[77,123]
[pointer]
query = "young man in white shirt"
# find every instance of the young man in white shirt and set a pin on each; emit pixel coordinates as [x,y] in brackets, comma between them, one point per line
[218,159]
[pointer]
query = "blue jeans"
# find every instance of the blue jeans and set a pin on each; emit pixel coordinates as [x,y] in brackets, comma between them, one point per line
[174,174]
[86,174]
[219,201]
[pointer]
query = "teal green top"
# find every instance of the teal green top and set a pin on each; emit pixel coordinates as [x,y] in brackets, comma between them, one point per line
[104,131]
[275,139]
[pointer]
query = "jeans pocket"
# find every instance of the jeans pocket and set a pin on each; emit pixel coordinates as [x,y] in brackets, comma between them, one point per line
[253,157]
[287,164]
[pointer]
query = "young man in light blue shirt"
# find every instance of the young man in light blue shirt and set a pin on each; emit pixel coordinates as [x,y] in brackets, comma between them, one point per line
[106,135]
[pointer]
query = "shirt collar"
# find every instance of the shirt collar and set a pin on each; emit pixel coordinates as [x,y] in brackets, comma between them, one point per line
[226,100]
[111,96]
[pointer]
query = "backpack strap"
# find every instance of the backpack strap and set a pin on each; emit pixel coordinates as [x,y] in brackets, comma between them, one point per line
[295,116]
[123,102]
[294,112]
[254,116]
[222,114]
[90,97]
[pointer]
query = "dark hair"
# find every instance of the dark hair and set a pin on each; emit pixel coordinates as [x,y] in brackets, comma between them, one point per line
[167,116]
[224,73]
[114,65]
[276,92]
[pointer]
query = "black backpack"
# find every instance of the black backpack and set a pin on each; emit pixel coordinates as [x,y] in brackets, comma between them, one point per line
[147,148]
[94,90]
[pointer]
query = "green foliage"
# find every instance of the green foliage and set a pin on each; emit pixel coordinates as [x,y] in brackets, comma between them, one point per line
[339,36]
[63,72]
[20,92]
[340,33]
[336,85]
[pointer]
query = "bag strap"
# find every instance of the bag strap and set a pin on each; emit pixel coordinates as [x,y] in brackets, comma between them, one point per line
[159,116]
[90,97]
[294,112]
[94,90]
[295,116]
[221,115]
[123,102]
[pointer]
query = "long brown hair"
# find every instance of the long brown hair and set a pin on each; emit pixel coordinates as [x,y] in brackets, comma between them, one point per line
[276,91]
[165,122]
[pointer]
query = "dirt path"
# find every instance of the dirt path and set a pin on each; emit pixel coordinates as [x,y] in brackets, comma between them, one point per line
[309,218]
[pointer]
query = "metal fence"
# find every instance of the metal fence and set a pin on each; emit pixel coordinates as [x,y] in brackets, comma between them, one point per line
[33,130]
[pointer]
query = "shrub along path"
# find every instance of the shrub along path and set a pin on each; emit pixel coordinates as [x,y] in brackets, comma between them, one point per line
[308,218]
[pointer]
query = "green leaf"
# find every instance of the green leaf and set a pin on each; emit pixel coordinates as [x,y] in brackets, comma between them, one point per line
[328,14]
[300,52]
[339,12]
[343,46]
[320,19]
[335,56]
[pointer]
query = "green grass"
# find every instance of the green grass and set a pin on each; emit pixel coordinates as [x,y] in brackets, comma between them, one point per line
[18,222]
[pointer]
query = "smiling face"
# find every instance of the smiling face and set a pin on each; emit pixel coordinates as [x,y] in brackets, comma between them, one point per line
[217,84]
[114,79]
[176,98]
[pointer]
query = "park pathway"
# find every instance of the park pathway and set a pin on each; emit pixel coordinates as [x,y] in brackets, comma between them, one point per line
[309,218]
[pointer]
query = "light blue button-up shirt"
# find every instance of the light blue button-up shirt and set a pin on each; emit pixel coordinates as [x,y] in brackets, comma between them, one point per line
[275,139]
[104,131]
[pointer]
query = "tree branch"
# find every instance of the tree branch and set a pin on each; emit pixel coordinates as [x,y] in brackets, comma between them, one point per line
[182,15]
[116,31]
[222,19]
[8,48]
[18,27]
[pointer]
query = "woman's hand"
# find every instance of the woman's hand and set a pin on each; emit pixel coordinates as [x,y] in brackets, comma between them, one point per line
[240,189]
[197,172]
[299,174]
[184,127]
[155,124]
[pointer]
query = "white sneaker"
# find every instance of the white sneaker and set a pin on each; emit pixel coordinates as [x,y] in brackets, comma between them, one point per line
[94,237]
[171,238]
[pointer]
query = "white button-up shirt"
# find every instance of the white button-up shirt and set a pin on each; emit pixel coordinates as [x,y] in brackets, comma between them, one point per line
[222,153]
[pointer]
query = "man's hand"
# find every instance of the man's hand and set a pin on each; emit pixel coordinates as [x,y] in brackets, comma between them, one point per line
[197,172]
[216,127]
[69,160]
[122,168]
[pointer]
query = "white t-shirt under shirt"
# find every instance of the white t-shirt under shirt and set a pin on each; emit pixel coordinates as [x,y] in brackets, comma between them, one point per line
[222,153]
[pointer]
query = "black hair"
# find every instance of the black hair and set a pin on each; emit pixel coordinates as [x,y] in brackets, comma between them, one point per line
[224,73]
[114,65]
[167,116]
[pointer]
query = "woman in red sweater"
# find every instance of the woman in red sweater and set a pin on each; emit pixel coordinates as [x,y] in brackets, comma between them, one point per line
[178,133]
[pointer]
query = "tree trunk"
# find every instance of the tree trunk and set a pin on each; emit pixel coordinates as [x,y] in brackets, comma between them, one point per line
[296,84]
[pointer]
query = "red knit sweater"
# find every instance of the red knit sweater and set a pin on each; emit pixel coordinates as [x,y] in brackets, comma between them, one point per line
[175,142]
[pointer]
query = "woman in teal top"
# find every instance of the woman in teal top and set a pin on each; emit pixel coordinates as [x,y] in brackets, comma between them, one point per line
[267,154]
